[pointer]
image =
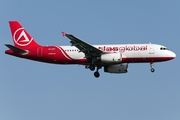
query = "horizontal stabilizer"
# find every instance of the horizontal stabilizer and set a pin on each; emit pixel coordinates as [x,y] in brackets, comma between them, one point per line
[16,49]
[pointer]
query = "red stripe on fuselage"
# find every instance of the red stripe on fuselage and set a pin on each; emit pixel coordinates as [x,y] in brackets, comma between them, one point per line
[132,60]
[146,59]
[64,53]
[56,55]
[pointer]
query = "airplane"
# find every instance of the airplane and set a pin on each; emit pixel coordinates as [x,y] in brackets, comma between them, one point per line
[114,58]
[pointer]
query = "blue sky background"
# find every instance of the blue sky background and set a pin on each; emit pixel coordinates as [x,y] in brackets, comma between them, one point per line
[32,90]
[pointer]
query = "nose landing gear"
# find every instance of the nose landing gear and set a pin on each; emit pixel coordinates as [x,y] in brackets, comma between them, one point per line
[152,69]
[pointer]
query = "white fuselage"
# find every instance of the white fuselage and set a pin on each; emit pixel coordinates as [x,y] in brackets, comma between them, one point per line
[127,50]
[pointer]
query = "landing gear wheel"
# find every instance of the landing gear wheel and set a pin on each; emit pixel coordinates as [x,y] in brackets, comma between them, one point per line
[92,67]
[96,74]
[152,69]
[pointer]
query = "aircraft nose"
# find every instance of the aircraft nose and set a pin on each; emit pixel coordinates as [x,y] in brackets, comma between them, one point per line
[173,55]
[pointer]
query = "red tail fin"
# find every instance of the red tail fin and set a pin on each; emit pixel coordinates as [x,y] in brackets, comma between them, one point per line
[20,37]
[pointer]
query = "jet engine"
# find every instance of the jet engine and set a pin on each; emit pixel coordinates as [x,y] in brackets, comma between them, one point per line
[120,68]
[111,58]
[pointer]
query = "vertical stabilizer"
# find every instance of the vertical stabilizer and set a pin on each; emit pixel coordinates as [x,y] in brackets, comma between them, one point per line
[20,37]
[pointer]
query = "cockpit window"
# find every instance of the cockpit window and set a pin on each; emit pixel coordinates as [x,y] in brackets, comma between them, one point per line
[163,48]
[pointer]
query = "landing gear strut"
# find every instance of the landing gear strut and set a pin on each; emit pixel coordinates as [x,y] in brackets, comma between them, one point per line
[152,69]
[91,66]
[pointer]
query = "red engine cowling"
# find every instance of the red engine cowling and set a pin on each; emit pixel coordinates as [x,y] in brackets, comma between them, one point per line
[120,68]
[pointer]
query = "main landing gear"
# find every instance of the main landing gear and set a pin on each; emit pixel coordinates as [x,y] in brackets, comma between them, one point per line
[96,74]
[92,68]
[152,69]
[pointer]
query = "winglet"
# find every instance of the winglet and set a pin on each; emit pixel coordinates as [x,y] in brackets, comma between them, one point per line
[64,34]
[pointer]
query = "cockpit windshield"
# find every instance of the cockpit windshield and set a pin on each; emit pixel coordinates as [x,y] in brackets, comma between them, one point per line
[163,48]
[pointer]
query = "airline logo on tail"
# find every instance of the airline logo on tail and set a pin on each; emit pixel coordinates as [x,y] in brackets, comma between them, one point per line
[21,38]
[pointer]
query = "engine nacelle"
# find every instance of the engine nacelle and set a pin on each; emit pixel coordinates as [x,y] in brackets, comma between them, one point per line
[120,68]
[111,58]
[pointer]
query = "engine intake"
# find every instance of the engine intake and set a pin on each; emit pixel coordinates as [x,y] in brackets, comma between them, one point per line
[120,68]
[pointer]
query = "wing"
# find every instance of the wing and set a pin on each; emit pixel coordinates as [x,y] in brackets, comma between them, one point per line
[84,47]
